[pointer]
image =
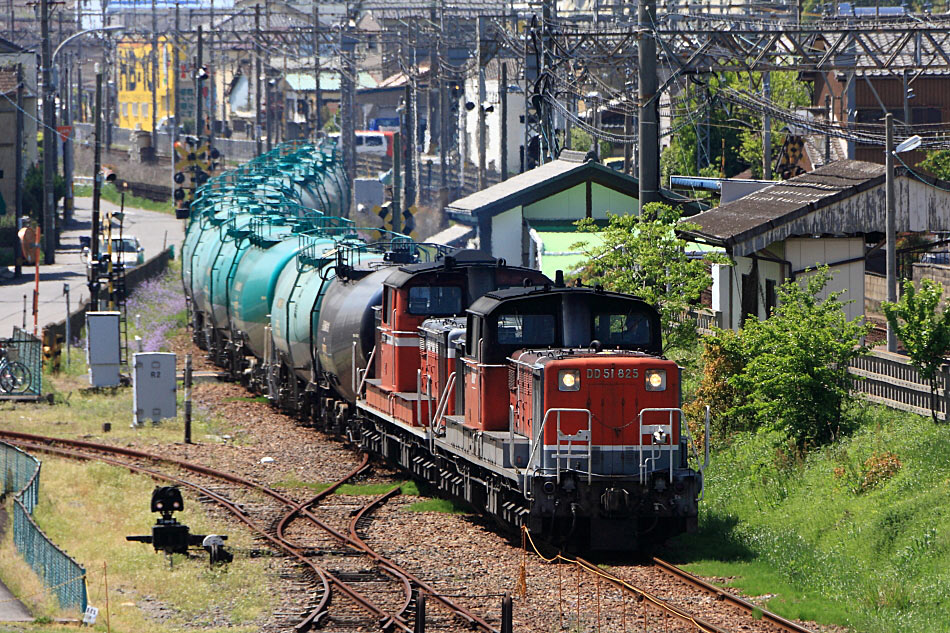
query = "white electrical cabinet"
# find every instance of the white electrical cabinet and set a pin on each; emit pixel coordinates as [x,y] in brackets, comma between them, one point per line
[153,383]
[103,348]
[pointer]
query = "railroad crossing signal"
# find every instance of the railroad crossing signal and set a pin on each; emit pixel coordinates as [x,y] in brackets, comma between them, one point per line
[195,162]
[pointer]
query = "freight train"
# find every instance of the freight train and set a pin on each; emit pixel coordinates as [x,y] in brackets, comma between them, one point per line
[542,404]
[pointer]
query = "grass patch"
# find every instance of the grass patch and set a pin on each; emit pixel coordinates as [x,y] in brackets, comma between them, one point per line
[20,578]
[374,489]
[110,193]
[835,537]
[88,509]
[445,506]
[259,399]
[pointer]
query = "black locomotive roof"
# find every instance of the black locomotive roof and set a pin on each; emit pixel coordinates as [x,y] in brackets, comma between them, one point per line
[491,300]
[460,258]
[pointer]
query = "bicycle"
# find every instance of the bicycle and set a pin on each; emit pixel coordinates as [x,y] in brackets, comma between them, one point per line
[15,377]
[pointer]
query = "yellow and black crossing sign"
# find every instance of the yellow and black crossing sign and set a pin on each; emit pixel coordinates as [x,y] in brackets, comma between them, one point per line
[195,162]
[407,226]
[791,155]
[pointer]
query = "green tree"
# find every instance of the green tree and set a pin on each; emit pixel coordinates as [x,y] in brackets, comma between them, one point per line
[924,329]
[581,141]
[796,362]
[937,163]
[642,255]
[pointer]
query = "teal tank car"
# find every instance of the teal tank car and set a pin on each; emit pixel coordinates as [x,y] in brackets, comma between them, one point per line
[255,279]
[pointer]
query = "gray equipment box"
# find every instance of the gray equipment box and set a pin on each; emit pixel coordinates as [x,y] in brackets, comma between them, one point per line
[368,191]
[103,348]
[153,383]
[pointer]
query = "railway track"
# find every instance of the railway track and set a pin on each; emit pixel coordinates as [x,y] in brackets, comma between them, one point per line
[385,590]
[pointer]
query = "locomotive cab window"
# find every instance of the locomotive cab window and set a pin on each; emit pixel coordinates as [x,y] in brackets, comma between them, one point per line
[527,330]
[435,300]
[623,328]
[387,304]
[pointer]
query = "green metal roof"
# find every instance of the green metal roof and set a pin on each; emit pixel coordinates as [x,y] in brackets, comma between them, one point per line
[305,82]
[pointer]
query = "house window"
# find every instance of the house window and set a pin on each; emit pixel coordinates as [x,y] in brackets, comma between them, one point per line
[125,110]
[145,110]
[135,109]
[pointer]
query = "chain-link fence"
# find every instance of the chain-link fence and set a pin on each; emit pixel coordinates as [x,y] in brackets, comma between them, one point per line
[20,474]
[22,359]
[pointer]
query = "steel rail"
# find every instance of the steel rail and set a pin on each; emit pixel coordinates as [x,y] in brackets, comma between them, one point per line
[354,541]
[685,616]
[43,443]
[295,511]
[733,599]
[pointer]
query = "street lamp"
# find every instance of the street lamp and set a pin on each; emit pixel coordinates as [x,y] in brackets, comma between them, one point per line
[98,29]
[890,219]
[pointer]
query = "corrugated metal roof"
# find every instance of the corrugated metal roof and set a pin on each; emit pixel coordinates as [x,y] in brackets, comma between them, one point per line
[780,203]
[329,80]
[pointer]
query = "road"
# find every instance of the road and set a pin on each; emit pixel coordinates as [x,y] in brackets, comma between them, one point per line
[153,229]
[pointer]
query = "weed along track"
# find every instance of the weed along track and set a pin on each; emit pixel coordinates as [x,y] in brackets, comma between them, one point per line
[374,592]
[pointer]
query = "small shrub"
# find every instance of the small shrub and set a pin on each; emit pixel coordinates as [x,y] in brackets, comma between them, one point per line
[878,468]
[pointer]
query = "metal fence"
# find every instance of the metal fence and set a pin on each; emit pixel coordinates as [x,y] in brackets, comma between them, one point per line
[25,348]
[61,574]
[889,379]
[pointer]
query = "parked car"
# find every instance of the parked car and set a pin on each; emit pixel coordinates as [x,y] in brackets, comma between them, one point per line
[126,250]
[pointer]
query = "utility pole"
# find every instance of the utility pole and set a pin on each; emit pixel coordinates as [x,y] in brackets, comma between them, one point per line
[480,106]
[443,108]
[18,184]
[68,202]
[209,79]
[96,195]
[890,235]
[767,130]
[257,79]
[828,136]
[649,134]
[176,66]
[503,93]
[317,123]
[154,61]
[199,97]
[347,108]
[397,184]
[49,129]
[409,151]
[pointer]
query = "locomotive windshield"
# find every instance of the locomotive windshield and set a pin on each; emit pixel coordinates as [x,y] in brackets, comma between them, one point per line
[435,300]
[526,329]
[622,328]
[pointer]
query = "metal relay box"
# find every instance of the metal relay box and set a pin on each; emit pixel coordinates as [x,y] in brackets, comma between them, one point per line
[154,387]
[103,348]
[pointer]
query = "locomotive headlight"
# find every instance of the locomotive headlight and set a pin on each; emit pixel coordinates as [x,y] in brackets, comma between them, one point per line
[656,379]
[569,380]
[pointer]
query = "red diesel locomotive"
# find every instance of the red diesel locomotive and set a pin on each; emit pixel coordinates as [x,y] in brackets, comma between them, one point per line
[544,405]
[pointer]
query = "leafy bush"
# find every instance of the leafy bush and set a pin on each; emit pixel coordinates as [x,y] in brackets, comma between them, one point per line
[923,329]
[642,255]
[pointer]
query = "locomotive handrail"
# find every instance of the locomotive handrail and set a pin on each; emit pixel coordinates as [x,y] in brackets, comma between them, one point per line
[442,406]
[540,442]
[369,363]
[654,455]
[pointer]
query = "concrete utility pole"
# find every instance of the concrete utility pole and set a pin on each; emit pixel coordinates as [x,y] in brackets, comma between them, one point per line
[443,108]
[397,185]
[890,235]
[199,98]
[210,78]
[649,133]
[347,110]
[96,195]
[480,106]
[18,183]
[257,79]
[176,66]
[409,143]
[317,122]
[49,129]
[154,61]
[503,94]
[68,203]
[767,130]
